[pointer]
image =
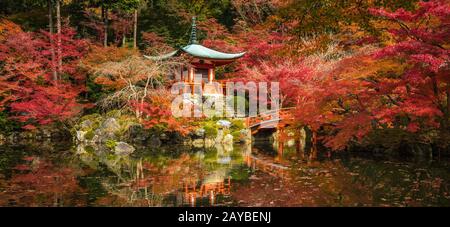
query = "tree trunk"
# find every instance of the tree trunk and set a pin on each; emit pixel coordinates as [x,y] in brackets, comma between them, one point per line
[58,30]
[52,47]
[135,29]
[105,26]
[447,108]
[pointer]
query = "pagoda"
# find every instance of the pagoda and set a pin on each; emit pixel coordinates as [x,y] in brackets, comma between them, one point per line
[202,63]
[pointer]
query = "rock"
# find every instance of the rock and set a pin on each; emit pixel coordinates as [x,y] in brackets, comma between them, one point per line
[227,139]
[80,136]
[200,132]
[102,136]
[198,143]
[123,148]
[95,139]
[86,124]
[164,136]
[110,125]
[137,133]
[154,141]
[224,123]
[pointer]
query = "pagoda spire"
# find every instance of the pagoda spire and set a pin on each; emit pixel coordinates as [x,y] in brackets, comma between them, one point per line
[193,38]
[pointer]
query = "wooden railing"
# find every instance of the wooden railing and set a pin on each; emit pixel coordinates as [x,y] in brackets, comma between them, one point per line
[270,117]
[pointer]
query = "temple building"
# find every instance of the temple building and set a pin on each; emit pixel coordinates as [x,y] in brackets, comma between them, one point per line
[202,63]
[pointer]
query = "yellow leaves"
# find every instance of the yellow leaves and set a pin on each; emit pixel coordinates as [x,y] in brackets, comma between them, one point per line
[383,26]
[350,32]
[99,55]
[110,83]
[8,28]
[365,66]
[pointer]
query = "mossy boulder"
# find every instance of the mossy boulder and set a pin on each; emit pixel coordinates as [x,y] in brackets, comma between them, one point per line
[110,125]
[123,148]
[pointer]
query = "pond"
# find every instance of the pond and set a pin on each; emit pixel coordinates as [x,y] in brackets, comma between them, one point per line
[64,174]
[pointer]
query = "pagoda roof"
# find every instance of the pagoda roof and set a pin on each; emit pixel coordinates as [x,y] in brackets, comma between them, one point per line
[197,50]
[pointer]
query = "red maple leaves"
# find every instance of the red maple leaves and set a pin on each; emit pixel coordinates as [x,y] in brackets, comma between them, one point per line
[414,98]
[27,87]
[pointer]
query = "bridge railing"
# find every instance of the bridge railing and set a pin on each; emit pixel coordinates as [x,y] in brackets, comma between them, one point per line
[269,116]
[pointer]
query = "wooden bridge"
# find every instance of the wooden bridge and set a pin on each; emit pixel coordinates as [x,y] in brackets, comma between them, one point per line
[271,119]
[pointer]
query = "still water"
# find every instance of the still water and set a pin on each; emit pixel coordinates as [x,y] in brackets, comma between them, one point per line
[63,174]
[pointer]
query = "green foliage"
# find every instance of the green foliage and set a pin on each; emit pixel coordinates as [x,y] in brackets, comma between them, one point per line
[114,114]
[94,90]
[89,149]
[236,135]
[89,135]
[111,144]
[210,129]
[95,118]
[237,125]
[6,125]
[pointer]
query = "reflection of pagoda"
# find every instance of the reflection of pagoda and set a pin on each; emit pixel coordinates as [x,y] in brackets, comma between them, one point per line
[202,63]
[207,189]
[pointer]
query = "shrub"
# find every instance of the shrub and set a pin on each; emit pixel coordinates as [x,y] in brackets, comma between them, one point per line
[237,125]
[111,144]
[89,135]
[210,131]
[236,135]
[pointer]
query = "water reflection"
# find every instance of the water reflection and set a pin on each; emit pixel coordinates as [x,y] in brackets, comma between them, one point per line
[162,178]
[60,174]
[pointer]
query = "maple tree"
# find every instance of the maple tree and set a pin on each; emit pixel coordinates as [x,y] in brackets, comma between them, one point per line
[154,44]
[403,85]
[27,85]
[423,90]
[344,83]
[157,114]
[135,84]
[134,77]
